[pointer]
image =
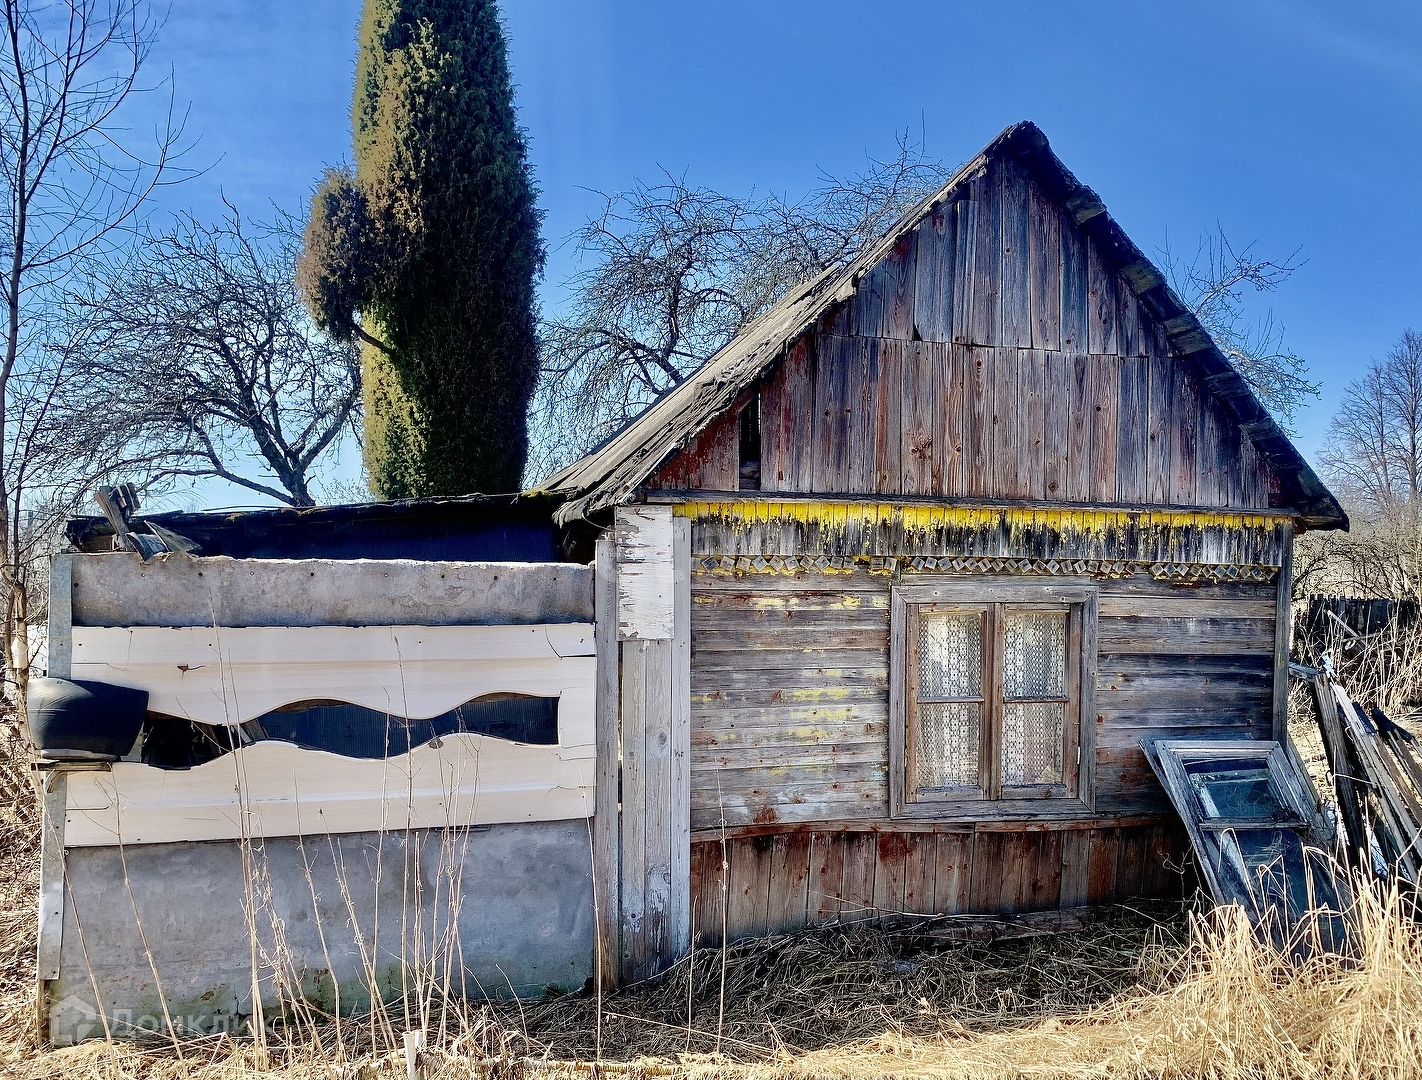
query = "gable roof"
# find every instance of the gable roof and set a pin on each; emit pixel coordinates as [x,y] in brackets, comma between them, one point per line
[610,474]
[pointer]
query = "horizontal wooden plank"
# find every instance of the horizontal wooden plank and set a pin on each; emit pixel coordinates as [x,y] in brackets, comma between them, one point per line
[1111,666]
[710,699]
[718,671]
[802,581]
[1156,606]
[790,755]
[1116,736]
[806,639]
[1186,636]
[710,621]
[277,789]
[1163,716]
[1219,698]
[837,603]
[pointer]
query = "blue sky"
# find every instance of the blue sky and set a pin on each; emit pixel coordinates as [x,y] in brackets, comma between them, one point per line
[1291,123]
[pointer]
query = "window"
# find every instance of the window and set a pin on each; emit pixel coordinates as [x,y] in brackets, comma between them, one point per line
[749,428]
[992,688]
[1258,835]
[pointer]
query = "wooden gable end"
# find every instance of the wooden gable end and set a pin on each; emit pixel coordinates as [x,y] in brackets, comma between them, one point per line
[994,354]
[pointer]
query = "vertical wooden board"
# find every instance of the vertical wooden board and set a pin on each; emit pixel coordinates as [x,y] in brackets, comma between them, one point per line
[1076,867]
[826,878]
[1056,428]
[890,873]
[1131,334]
[679,712]
[1082,428]
[887,427]
[978,385]
[709,864]
[1106,392]
[1074,289]
[953,873]
[1184,426]
[1007,426]
[1100,301]
[994,873]
[862,358]
[857,888]
[1044,239]
[1016,252]
[634,808]
[787,408]
[896,320]
[866,306]
[710,462]
[644,572]
[1102,857]
[1211,486]
[933,277]
[950,454]
[1129,872]
[1158,882]
[606,824]
[965,243]
[831,461]
[1133,434]
[1158,430]
[921,413]
[659,672]
[987,258]
[750,887]
[1032,473]
[49,945]
[1283,638]
[786,906]
[920,867]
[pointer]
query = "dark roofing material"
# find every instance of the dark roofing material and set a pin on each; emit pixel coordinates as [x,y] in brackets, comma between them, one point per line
[473,528]
[612,473]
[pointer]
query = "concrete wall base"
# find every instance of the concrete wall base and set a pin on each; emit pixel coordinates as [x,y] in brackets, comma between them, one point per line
[487,912]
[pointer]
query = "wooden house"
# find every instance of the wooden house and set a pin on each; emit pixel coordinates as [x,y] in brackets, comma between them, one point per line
[887,603]
[906,573]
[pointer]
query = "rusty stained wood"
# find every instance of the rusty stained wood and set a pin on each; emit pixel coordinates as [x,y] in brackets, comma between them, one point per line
[787,404]
[780,883]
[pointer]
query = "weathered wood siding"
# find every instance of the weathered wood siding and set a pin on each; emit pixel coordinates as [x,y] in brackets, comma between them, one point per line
[751,885]
[789,688]
[992,353]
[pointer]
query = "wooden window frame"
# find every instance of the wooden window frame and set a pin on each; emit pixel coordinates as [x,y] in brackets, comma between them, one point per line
[990,800]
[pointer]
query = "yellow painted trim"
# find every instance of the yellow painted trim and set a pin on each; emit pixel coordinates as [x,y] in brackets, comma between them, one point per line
[928,517]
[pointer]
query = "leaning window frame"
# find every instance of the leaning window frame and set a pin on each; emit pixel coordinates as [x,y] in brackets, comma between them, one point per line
[1018,804]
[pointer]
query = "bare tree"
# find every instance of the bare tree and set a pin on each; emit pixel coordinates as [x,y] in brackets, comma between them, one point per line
[210,364]
[71,183]
[672,272]
[1373,451]
[1213,284]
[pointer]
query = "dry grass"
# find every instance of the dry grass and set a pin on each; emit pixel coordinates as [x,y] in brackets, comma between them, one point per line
[1152,993]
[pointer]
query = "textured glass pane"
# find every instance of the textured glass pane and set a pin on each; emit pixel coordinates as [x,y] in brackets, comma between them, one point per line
[946,754]
[950,655]
[1034,654]
[1032,742]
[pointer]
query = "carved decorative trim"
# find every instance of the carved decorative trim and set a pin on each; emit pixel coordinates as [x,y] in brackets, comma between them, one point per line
[891,565]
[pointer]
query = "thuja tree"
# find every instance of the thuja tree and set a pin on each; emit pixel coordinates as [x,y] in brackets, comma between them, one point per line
[428,251]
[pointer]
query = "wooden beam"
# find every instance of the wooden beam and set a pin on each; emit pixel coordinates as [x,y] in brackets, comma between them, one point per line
[608,768]
[679,820]
[1283,614]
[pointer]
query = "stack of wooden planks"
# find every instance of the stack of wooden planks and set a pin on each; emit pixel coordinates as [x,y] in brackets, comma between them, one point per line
[1377,774]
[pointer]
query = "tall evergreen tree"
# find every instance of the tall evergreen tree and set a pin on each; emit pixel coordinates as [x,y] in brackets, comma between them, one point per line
[429,250]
